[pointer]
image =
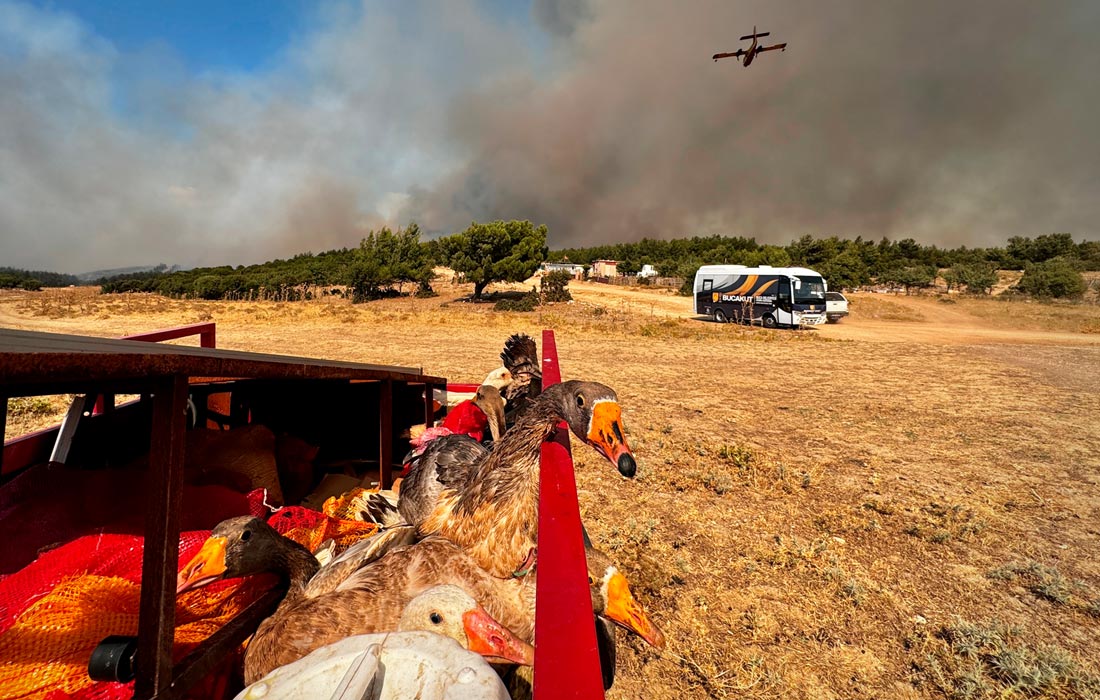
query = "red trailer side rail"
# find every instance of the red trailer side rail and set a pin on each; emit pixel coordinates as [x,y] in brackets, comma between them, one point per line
[206,332]
[35,447]
[567,662]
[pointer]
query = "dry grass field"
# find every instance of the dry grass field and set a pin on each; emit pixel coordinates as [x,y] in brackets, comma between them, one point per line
[902,505]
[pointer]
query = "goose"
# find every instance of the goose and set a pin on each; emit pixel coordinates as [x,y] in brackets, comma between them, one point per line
[487,501]
[384,572]
[473,417]
[322,605]
[499,378]
[432,655]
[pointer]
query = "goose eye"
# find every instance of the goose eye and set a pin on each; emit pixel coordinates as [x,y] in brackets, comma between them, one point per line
[580,401]
[436,618]
[245,535]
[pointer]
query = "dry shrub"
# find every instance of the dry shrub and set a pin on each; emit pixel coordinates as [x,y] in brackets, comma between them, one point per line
[940,523]
[989,660]
[1048,583]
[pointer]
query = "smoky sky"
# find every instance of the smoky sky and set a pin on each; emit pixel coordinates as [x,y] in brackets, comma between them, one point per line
[951,123]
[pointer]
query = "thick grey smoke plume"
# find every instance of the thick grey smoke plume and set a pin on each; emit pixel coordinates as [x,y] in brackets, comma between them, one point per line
[953,123]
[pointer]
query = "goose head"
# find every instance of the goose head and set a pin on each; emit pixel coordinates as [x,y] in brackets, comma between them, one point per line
[612,599]
[491,403]
[452,612]
[593,414]
[241,547]
[499,377]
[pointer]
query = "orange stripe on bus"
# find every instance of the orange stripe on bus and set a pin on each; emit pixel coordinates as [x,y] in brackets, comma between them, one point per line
[746,286]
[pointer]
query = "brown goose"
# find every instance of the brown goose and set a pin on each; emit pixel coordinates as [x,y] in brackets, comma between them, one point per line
[487,501]
[432,656]
[340,600]
[321,606]
[436,560]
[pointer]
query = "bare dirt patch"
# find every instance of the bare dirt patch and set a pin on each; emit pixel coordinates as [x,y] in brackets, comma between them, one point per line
[885,507]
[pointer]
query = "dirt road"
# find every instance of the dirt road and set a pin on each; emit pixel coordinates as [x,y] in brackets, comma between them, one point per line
[890,318]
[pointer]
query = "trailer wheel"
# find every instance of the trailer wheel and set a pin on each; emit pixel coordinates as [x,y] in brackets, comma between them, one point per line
[769,321]
[720,316]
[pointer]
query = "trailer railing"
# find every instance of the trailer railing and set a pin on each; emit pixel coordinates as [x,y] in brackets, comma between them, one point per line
[567,664]
[38,446]
[567,661]
[206,332]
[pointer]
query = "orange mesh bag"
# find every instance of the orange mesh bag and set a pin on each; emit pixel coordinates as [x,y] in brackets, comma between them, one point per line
[49,645]
[310,528]
[48,636]
[56,610]
[348,505]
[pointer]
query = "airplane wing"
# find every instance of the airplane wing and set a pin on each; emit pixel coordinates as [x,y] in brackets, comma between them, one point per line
[736,54]
[782,47]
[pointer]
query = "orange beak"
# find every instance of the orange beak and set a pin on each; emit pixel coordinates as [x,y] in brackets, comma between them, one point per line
[487,637]
[205,567]
[626,612]
[605,433]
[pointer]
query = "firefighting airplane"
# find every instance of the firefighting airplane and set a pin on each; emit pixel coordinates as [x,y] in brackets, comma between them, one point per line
[752,50]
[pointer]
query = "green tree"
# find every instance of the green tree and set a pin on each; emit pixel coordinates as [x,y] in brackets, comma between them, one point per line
[1041,248]
[979,278]
[910,276]
[369,279]
[211,287]
[951,277]
[1088,252]
[629,266]
[554,286]
[385,258]
[844,271]
[499,251]
[1056,278]
[688,271]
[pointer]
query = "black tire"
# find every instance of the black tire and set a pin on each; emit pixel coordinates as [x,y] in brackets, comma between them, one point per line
[720,316]
[769,321]
[832,319]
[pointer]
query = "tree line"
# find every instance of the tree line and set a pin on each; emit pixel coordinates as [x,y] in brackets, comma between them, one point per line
[33,280]
[387,263]
[1051,262]
[390,262]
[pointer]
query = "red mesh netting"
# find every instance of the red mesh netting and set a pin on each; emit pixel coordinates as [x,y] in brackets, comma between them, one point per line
[57,609]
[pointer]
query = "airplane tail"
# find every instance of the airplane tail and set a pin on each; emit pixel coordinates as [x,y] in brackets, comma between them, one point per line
[754,34]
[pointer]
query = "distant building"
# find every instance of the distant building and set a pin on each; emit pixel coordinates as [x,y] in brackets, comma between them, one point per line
[566,266]
[647,271]
[605,268]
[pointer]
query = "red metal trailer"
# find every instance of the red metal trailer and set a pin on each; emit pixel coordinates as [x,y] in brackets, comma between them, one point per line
[268,388]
